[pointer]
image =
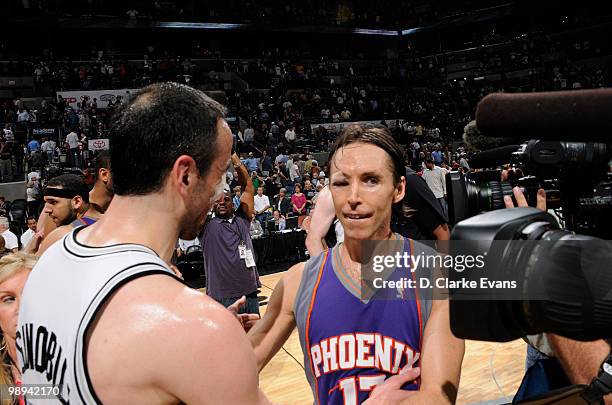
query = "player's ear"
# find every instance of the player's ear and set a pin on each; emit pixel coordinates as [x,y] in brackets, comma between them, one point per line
[400,190]
[104,174]
[76,202]
[184,173]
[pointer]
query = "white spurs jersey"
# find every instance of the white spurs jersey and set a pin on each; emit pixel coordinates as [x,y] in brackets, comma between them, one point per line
[67,287]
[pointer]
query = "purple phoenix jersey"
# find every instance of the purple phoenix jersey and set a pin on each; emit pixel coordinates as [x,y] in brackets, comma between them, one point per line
[350,345]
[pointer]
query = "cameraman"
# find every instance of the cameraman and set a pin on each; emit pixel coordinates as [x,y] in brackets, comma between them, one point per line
[557,361]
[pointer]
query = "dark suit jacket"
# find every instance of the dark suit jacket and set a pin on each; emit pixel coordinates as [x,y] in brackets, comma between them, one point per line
[285,206]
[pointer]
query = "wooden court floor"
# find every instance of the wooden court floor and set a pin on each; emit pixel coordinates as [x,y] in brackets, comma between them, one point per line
[490,370]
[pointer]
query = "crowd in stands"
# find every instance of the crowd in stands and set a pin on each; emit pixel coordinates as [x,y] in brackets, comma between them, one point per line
[288,179]
[294,104]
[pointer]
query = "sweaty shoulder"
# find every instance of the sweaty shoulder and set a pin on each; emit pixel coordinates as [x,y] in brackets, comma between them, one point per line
[155,337]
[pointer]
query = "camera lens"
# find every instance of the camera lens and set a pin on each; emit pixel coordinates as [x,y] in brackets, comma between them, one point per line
[495,194]
[486,197]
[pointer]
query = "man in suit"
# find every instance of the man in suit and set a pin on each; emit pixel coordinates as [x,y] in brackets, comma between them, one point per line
[282,203]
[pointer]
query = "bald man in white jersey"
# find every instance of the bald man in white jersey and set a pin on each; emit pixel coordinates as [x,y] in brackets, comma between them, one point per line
[102,307]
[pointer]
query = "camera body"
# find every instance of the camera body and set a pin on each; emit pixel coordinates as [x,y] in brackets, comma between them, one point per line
[561,285]
[574,176]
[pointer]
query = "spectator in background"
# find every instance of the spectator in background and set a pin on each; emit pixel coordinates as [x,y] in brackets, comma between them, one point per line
[315,170]
[277,222]
[434,176]
[345,114]
[8,133]
[236,198]
[281,158]
[33,176]
[249,135]
[256,229]
[324,179]
[33,146]
[265,163]
[262,205]
[72,141]
[290,136]
[300,163]
[44,147]
[23,117]
[184,245]
[294,170]
[27,235]
[32,198]
[282,203]
[437,156]
[3,205]
[270,186]
[10,238]
[36,161]
[464,163]
[6,164]
[298,202]
[228,249]
[251,163]
[309,192]
[308,164]
[256,180]
[274,131]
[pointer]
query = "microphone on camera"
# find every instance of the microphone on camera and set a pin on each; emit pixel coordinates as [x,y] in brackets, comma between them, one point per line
[493,157]
[580,115]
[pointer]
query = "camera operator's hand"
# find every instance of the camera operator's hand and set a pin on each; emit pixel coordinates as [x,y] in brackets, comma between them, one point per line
[522,201]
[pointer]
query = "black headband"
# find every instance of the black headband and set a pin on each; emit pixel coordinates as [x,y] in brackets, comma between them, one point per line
[66,193]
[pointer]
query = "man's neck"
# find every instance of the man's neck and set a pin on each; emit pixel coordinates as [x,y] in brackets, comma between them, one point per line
[354,247]
[99,197]
[229,216]
[128,220]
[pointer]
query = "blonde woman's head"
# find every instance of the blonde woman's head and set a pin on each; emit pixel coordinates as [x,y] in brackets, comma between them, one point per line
[14,271]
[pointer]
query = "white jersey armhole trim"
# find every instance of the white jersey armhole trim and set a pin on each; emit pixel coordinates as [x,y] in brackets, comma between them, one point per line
[84,385]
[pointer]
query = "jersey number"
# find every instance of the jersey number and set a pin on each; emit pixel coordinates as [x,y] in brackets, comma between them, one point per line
[348,386]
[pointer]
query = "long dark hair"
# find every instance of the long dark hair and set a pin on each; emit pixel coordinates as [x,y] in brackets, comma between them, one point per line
[381,137]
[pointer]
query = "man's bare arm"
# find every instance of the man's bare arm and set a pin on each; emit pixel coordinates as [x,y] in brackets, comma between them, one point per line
[272,331]
[442,232]
[320,222]
[442,356]
[580,360]
[247,199]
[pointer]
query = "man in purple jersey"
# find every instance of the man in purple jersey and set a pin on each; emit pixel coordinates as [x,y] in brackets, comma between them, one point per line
[352,343]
